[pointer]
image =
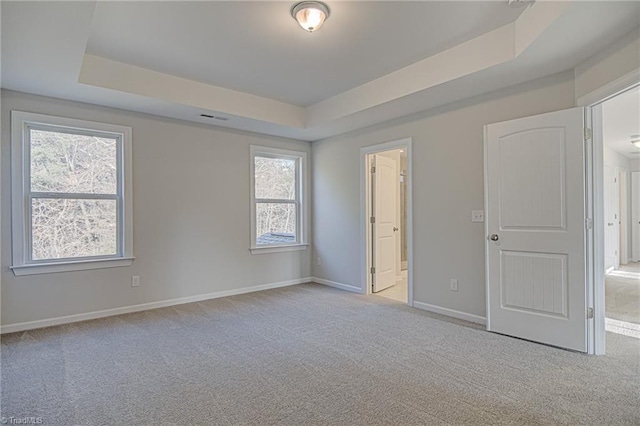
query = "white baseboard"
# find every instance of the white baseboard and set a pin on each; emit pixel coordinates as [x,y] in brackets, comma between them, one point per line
[341,286]
[450,312]
[30,325]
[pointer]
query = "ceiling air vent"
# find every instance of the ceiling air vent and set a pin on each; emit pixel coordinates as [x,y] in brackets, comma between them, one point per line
[214,117]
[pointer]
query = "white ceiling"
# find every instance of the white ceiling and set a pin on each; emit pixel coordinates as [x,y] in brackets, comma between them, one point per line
[256,47]
[621,120]
[251,63]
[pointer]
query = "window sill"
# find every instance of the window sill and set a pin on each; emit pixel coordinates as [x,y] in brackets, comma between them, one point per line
[76,265]
[278,249]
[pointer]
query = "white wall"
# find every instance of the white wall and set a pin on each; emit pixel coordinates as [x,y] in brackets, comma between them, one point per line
[634,165]
[614,158]
[617,60]
[448,185]
[191,219]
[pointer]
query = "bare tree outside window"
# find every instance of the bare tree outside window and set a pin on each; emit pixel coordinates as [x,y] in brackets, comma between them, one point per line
[73,195]
[276,204]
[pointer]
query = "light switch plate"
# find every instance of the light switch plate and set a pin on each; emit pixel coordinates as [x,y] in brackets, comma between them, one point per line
[477,216]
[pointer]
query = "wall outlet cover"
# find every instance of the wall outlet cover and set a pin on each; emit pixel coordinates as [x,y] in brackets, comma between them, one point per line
[477,216]
[453,285]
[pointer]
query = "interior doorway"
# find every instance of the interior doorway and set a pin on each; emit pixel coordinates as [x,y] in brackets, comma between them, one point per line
[620,117]
[386,214]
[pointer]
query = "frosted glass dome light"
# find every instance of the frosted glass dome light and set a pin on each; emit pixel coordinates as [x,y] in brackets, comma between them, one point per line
[310,14]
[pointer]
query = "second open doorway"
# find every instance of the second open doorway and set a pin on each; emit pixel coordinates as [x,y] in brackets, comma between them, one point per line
[387,213]
[620,132]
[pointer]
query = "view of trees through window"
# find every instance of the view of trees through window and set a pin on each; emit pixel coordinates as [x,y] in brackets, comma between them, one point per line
[64,223]
[275,193]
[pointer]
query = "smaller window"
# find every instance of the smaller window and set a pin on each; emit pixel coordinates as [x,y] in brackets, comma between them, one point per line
[71,193]
[278,197]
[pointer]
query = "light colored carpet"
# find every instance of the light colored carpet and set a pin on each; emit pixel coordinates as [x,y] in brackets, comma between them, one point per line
[622,293]
[308,355]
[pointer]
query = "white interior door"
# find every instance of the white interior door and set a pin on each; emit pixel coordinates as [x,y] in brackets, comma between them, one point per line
[623,235]
[635,216]
[385,194]
[535,222]
[611,231]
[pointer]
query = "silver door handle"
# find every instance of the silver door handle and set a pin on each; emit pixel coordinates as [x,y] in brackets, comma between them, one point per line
[494,237]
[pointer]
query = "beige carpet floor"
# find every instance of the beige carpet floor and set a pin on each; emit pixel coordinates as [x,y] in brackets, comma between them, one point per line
[622,293]
[308,355]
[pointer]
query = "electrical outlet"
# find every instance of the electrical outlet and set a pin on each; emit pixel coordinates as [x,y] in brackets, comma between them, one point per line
[318,261]
[477,216]
[135,281]
[453,284]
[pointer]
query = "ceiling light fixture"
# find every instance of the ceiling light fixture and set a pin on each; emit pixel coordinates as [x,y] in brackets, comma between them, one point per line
[310,14]
[635,140]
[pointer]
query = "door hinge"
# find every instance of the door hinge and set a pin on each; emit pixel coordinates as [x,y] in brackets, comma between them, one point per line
[588,223]
[589,313]
[588,133]
[373,269]
[372,219]
[373,169]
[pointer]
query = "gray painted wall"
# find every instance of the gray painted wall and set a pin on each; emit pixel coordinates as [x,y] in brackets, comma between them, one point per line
[191,218]
[448,185]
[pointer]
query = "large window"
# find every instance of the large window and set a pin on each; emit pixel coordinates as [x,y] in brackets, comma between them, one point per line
[278,207]
[71,189]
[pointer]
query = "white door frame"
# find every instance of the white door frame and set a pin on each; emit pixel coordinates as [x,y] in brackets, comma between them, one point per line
[365,193]
[595,205]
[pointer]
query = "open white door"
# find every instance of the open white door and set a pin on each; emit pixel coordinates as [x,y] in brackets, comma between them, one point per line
[635,216]
[611,221]
[535,223]
[384,199]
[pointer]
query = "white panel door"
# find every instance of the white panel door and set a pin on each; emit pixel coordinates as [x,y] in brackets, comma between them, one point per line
[611,233]
[535,222]
[385,194]
[635,216]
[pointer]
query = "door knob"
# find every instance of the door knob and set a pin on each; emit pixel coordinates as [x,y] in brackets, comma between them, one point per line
[395,229]
[494,237]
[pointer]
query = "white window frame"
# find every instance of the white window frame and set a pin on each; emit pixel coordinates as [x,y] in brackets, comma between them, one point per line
[302,199]
[23,264]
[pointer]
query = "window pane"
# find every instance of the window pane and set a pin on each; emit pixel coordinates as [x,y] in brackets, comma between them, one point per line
[63,228]
[275,178]
[275,223]
[63,162]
